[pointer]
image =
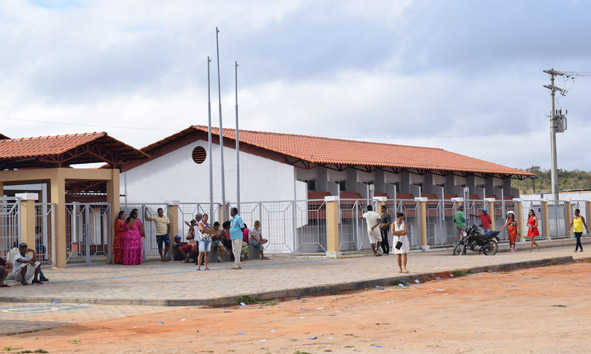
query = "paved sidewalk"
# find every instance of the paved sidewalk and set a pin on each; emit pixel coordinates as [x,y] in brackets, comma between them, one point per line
[179,284]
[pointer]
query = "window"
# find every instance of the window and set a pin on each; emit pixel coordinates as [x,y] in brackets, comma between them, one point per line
[311,185]
[342,185]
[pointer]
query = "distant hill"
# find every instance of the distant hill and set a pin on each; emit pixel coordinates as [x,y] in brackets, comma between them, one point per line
[567,180]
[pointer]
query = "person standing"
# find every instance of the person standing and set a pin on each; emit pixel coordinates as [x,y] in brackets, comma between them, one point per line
[205,232]
[236,234]
[577,224]
[132,242]
[385,223]
[485,220]
[511,225]
[400,241]
[460,221]
[120,228]
[162,232]
[372,219]
[532,230]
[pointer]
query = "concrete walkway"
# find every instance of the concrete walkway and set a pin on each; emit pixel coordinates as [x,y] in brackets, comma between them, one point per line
[179,284]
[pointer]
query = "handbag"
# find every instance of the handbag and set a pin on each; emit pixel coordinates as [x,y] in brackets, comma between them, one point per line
[398,245]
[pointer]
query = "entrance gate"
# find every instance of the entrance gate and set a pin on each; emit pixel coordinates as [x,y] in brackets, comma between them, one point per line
[10,226]
[88,233]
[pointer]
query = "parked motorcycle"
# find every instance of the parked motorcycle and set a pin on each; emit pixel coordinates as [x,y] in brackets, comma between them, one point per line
[473,239]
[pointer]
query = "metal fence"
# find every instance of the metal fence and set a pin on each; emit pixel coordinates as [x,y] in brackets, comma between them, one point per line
[10,226]
[88,233]
[45,236]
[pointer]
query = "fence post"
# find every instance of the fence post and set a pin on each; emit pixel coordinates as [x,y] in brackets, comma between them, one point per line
[568,207]
[519,217]
[588,208]
[332,226]
[173,217]
[490,205]
[28,218]
[422,201]
[545,215]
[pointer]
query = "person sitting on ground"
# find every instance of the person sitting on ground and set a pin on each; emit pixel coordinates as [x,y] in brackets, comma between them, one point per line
[15,251]
[226,241]
[190,249]
[257,240]
[176,245]
[25,268]
[5,269]
[217,238]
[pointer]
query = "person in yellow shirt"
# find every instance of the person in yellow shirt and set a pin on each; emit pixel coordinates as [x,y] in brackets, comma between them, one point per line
[162,233]
[578,221]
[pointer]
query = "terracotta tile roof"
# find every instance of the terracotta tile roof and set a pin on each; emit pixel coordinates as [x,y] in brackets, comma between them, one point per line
[12,151]
[329,151]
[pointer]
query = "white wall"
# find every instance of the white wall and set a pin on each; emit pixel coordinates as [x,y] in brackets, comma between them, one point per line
[337,175]
[175,176]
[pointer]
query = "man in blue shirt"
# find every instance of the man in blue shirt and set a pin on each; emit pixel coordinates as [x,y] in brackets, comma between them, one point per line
[236,228]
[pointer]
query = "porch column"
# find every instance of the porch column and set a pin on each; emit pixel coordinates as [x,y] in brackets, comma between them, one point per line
[58,197]
[490,205]
[28,218]
[173,216]
[569,212]
[422,201]
[114,200]
[519,217]
[546,226]
[332,227]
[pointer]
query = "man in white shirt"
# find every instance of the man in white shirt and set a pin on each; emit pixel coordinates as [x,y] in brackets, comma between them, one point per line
[24,267]
[373,221]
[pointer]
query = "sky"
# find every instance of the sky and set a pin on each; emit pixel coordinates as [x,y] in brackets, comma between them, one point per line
[461,75]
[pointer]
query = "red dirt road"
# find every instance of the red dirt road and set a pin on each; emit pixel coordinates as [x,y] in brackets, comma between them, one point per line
[539,310]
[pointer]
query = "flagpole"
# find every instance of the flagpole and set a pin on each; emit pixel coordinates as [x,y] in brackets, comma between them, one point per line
[209,147]
[221,132]
[237,140]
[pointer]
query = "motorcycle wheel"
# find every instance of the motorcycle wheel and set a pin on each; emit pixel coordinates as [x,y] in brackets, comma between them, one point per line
[459,249]
[491,248]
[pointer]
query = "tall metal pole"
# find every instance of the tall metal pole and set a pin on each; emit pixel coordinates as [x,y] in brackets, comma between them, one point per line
[237,140]
[553,123]
[553,153]
[221,131]
[209,144]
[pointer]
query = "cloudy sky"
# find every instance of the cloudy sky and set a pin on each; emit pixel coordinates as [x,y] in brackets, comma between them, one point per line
[462,75]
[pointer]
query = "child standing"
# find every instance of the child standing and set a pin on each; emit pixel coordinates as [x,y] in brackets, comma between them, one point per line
[578,221]
[532,230]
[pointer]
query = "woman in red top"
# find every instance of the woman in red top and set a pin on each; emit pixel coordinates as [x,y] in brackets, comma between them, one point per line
[511,225]
[120,228]
[532,231]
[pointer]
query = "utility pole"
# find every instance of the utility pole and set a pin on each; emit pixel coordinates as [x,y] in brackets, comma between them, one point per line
[237,141]
[554,128]
[221,130]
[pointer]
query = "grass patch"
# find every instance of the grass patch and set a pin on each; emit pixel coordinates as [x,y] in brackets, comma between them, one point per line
[335,292]
[430,276]
[7,349]
[299,352]
[458,273]
[74,341]
[395,282]
[250,300]
[327,350]
[469,271]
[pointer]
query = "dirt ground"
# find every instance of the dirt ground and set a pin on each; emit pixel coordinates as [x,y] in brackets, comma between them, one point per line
[539,310]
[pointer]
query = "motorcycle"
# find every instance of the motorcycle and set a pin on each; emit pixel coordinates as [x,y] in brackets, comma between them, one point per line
[473,239]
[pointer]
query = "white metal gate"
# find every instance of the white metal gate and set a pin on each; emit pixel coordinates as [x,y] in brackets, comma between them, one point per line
[10,226]
[88,233]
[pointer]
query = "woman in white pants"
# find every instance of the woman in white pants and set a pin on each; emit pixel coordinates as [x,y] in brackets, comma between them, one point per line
[400,241]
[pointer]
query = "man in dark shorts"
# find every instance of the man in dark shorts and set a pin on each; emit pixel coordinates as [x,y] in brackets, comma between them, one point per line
[385,223]
[162,224]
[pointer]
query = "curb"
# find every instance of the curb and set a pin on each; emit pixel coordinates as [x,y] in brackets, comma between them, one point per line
[306,291]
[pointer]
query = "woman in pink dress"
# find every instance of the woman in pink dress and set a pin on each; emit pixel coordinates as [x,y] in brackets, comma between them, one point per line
[132,241]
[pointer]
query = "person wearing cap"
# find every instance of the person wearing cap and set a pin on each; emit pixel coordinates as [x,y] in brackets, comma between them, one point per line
[176,245]
[460,220]
[485,220]
[511,225]
[25,268]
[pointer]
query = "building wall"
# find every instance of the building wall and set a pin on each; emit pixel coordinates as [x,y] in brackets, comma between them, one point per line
[175,176]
